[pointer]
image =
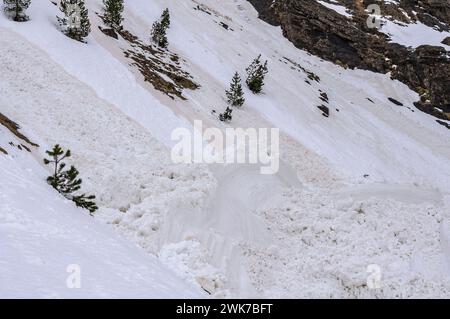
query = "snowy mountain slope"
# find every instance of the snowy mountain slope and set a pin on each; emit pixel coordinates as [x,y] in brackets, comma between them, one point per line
[96,67]
[43,236]
[367,185]
[411,52]
[67,112]
[289,102]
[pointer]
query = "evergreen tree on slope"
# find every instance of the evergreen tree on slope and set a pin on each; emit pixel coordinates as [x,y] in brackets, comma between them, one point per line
[165,19]
[159,35]
[226,116]
[256,73]
[235,95]
[113,13]
[66,182]
[75,22]
[159,30]
[16,9]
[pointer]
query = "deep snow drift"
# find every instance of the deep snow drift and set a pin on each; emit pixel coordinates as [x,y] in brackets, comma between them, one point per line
[367,185]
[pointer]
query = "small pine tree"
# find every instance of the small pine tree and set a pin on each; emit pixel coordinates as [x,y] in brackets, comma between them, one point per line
[159,35]
[113,13]
[75,22]
[165,19]
[66,182]
[235,95]
[159,30]
[226,116]
[16,9]
[256,73]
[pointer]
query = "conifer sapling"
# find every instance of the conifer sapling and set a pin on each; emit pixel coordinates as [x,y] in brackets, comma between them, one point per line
[165,19]
[226,116]
[159,30]
[235,94]
[113,13]
[256,73]
[16,9]
[75,22]
[66,182]
[159,35]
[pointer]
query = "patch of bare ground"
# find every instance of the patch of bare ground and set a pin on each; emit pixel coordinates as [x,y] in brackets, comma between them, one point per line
[157,66]
[13,127]
[160,67]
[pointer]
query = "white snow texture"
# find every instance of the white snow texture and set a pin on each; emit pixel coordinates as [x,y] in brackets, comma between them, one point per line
[368,185]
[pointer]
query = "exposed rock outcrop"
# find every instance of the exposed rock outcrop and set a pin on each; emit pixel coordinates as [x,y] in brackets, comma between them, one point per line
[348,41]
[14,128]
[265,10]
[427,71]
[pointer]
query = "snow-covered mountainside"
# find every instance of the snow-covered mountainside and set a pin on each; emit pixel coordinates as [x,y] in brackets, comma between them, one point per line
[365,187]
[45,241]
[407,39]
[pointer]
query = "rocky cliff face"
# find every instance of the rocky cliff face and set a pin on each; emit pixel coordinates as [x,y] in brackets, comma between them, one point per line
[348,41]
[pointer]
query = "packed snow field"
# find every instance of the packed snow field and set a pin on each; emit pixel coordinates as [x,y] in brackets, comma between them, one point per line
[368,185]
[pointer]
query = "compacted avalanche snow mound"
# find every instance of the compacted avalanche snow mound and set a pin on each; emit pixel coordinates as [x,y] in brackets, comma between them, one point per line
[328,243]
